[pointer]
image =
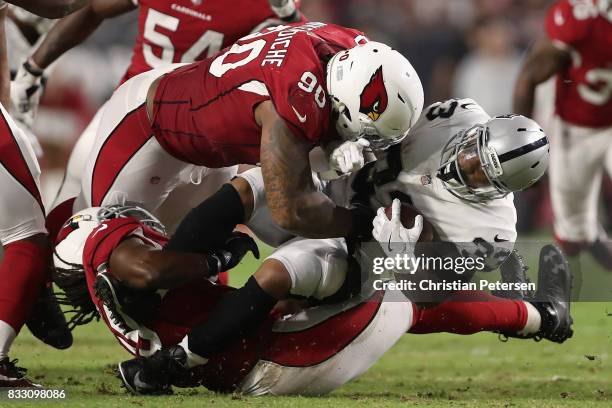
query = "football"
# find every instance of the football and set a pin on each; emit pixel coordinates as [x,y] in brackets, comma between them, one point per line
[407,216]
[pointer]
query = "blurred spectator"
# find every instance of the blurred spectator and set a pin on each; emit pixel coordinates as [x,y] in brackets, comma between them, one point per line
[487,74]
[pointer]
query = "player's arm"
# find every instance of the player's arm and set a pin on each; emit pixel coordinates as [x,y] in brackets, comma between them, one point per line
[203,245]
[50,8]
[28,30]
[5,78]
[142,266]
[543,61]
[67,33]
[293,200]
[76,28]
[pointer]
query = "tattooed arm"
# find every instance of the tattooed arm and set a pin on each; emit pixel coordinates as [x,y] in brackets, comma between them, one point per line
[294,202]
[50,8]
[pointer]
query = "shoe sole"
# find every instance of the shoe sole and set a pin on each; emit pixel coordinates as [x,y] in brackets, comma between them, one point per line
[555,259]
[105,291]
[552,256]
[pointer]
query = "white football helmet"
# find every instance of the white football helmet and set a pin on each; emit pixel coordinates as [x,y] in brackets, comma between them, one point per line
[375,92]
[70,242]
[513,153]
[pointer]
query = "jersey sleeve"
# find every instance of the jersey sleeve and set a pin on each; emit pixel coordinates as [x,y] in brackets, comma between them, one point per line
[297,90]
[104,239]
[566,23]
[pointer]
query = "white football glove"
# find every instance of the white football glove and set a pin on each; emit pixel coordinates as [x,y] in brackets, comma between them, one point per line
[392,236]
[349,156]
[26,90]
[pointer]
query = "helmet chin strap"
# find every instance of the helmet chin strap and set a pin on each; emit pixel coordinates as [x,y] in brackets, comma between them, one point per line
[449,173]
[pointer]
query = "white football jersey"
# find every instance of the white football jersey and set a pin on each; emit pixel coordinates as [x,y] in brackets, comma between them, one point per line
[455,220]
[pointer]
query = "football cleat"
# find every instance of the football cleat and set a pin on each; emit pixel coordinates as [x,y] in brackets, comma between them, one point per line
[552,298]
[12,376]
[124,302]
[155,375]
[104,289]
[514,270]
[132,375]
[48,323]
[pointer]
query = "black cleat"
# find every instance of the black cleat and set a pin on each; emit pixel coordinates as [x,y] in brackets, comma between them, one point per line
[132,374]
[552,299]
[553,296]
[105,290]
[124,302]
[12,376]
[514,270]
[155,375]
[48,323]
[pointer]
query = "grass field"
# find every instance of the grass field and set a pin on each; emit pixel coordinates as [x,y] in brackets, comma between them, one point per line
[428,371]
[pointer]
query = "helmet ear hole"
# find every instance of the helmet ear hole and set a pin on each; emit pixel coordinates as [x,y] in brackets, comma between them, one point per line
[535,165]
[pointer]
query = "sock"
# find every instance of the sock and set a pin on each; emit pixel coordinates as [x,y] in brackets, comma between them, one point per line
[223,278]
[57,217]
[468,312]
[7,335]
[209,224]
[23,274]
[534,320]
[237,314]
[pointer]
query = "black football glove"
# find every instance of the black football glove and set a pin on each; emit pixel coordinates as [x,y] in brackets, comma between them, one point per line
[235,248]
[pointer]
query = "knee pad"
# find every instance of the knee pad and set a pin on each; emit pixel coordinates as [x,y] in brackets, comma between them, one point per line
[333,276]
[314,275]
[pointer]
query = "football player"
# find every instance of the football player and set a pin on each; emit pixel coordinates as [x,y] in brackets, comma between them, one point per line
[458,164]
[24,267]
[578,51]
[459,168]
[438,168]
[111,259]
[178,32]
[267,99]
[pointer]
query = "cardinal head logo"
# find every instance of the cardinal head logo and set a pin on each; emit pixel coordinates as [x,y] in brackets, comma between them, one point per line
[373,98]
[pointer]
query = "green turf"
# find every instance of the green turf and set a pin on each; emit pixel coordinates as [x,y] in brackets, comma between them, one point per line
[428,370]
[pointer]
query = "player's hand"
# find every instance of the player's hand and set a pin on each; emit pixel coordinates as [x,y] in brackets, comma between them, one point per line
[26,90]
[393,237]
[348,157]
[235,248]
